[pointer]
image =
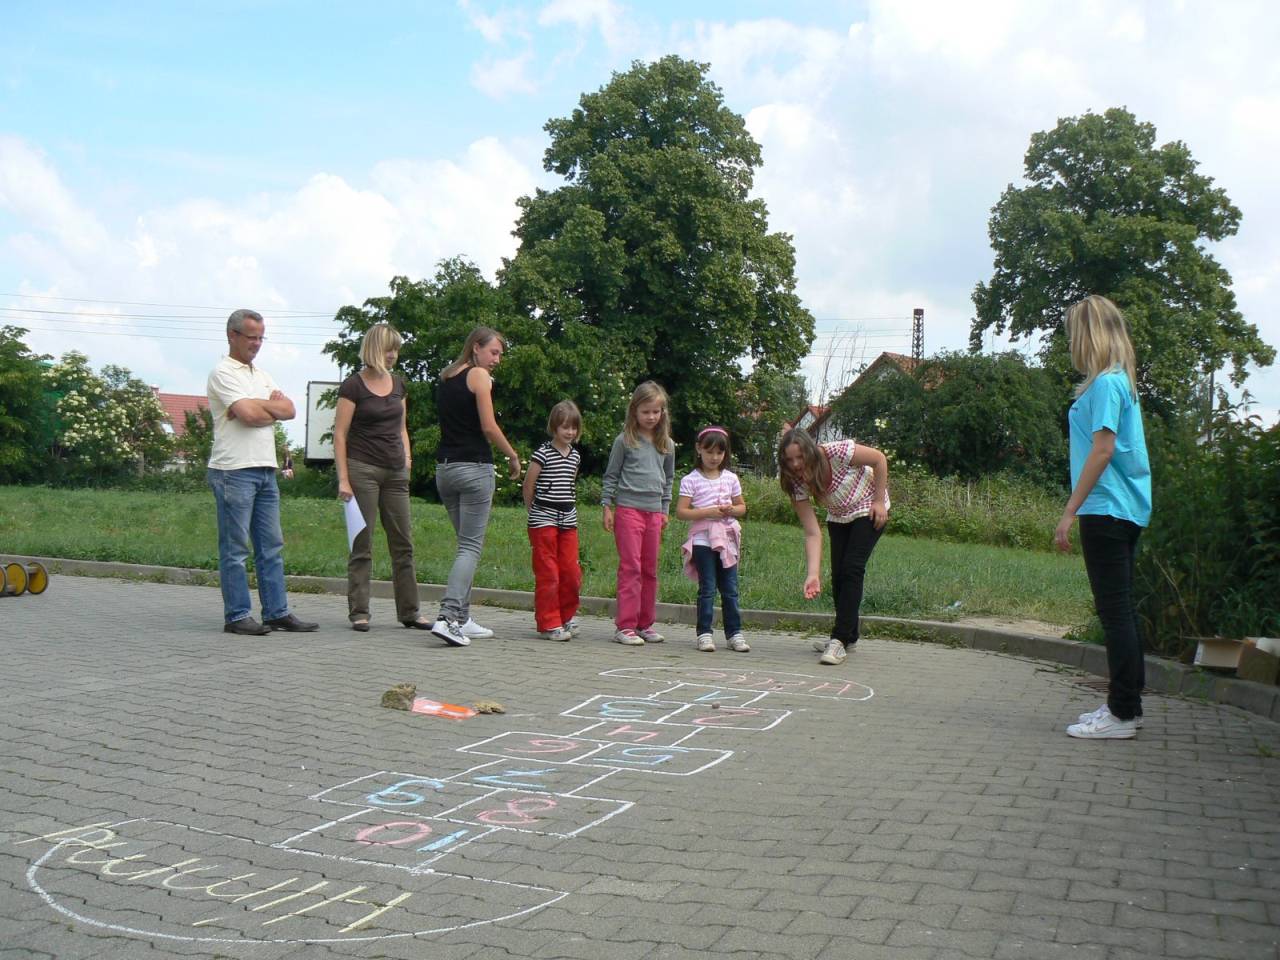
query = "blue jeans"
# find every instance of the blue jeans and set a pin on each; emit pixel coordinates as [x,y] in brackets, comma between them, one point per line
[249,513]
[466,490]
[713,575]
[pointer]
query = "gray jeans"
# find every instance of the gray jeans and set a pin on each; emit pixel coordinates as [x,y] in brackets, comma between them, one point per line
[466,490]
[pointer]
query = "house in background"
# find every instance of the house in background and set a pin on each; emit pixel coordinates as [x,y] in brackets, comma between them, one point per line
[176,407]
[817,420]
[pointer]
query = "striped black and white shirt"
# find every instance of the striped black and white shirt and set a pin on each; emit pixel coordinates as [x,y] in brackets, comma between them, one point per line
[555,492]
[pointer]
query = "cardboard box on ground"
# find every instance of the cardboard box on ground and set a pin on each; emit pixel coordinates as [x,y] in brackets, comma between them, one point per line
[1252,658]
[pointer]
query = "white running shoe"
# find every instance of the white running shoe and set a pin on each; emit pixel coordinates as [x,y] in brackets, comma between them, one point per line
[1085,717]
[820,645]
[628,638]
[705,643]
[473,631]
[1103,725]
[833,653]
[451,633]
[555,633]
[650,635]
[573,626]
[738,644]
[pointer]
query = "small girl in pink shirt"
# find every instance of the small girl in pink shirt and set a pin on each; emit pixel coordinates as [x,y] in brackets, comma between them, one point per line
[711,500]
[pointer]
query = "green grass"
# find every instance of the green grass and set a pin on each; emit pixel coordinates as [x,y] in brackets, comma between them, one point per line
[907,577]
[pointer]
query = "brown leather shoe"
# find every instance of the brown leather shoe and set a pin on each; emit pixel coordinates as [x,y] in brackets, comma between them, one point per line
[246,627]
[291,624]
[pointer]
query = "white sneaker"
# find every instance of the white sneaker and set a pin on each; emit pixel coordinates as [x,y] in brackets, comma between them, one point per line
[451,633]
[833,653]
[628,638]
[555,633]
[738,644]
[1103,725]
[473,631]
[1092,714]
[650,635]
[705,643]
[573,626]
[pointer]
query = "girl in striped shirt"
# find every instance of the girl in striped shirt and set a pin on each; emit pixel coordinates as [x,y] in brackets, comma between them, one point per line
[551,497]
[851,481]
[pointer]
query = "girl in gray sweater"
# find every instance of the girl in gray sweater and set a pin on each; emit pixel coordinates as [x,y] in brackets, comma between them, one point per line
[636,496]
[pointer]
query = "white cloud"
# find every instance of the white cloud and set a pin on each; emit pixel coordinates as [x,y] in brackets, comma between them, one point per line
[31,188]
[604,15]
[500,78]
[497,27]
[326,244]
[886,144]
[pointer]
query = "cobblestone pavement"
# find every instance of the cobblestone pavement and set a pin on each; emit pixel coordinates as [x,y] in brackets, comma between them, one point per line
[169,790]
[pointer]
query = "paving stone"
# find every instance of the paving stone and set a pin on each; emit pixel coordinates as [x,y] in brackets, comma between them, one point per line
[906,826]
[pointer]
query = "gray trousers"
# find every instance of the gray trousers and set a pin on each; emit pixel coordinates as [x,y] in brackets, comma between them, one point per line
[382,492]
[466,490]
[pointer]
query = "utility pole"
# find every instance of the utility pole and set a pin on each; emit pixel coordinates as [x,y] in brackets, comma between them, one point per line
[917,334]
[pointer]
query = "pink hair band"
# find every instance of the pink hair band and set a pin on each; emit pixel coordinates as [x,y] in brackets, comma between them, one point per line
[705,430]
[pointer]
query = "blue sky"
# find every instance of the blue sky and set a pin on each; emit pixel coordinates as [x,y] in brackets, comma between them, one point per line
[294,157]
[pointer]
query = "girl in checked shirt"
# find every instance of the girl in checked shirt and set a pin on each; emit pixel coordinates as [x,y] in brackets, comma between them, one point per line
[851,481]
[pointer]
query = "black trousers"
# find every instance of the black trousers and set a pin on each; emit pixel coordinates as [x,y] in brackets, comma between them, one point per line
[851,546]
[1110,546]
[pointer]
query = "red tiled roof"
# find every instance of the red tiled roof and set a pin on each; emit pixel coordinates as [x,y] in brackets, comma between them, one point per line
[176,406]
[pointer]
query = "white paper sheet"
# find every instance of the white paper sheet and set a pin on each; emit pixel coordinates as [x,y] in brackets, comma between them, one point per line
[355,521]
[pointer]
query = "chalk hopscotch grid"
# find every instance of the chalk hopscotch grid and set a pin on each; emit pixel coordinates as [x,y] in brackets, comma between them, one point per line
[728,695]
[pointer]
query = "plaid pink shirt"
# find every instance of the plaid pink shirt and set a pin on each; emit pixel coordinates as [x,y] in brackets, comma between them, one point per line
[853,489]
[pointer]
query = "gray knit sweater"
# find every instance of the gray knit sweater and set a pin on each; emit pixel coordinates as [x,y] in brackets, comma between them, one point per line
[639,477]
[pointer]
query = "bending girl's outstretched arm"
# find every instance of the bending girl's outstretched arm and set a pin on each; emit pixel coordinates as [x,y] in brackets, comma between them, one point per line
[864,456]
[481,385]
[812,547]
[1100,454]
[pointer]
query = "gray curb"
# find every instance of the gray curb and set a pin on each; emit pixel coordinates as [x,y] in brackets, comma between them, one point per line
[1163,676]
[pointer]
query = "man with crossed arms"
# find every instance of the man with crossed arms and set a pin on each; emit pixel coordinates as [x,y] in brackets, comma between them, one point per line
[246,404]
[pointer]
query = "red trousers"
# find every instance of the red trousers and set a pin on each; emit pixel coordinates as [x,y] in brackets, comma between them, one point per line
[557,577]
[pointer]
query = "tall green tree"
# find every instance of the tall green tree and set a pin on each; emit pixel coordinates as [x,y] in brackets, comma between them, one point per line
[434,316]
[654,245]
[24,412]
[1108,211]
[769,400]
[965,415]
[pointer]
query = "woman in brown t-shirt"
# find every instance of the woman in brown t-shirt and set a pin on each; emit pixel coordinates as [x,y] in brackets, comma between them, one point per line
[371,452]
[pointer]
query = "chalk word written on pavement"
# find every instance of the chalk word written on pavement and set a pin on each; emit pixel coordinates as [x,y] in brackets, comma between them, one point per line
[296,899]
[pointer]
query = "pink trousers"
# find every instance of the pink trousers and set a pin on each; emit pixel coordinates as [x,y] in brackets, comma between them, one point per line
[638,534]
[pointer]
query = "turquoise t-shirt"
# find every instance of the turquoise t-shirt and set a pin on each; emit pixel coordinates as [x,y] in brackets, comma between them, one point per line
[1124,489]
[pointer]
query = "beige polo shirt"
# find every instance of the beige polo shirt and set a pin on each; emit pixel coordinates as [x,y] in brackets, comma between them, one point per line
[235,444]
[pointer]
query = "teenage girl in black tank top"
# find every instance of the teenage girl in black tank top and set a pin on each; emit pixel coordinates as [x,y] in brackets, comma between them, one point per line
[465,475]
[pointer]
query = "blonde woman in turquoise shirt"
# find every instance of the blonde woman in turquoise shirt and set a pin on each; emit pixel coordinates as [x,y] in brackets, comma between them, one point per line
[1111,497]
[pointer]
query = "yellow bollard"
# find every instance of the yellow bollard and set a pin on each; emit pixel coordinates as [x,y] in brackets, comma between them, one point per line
[37,578]
[15,576]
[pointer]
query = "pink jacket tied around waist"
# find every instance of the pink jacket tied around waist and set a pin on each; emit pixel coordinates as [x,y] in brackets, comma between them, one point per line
[724,535]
